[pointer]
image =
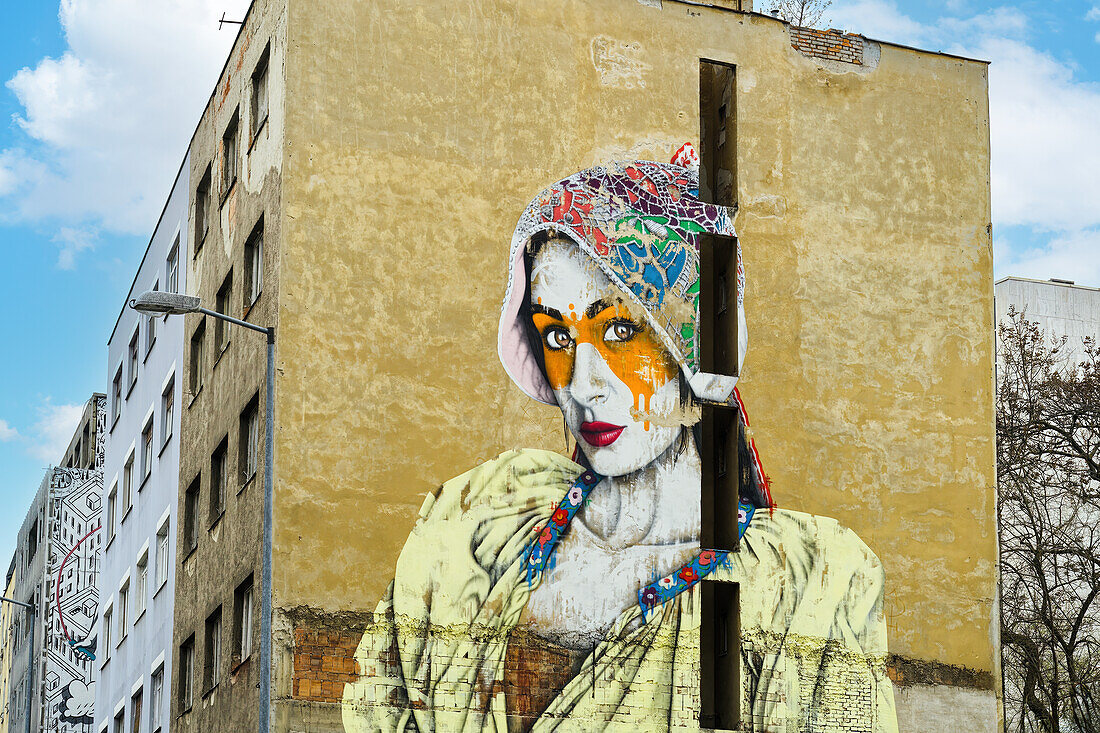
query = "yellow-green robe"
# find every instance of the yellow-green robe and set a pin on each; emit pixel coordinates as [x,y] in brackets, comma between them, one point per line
[813,639]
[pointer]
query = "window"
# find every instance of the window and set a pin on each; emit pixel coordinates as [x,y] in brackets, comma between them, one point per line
[717,133]
[721,437]
[719,641]
[172,268]
[218,476]
[242,621]
[230,157]
[135,712]
[156,695]
[116,395]
[191,514]
[147,450]
[212,665]
[259,91]
[120,723]
[132,358]
[142,590]
[123,609]
[167,411]
[32,542]
[254,265]
[249,439]
[187,672]
[221,305]
[151,327]
[198,346]
[128,485]
[162,555]
[202,211]
[112,509]
[107,619]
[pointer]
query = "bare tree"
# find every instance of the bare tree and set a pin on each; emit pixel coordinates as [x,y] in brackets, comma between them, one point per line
[804,13]
[1048,482]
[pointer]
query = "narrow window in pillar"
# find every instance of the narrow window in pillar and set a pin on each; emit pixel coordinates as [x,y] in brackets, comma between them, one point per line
[720,430]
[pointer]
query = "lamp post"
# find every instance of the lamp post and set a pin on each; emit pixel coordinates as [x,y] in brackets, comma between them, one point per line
[30,657]
[160,302]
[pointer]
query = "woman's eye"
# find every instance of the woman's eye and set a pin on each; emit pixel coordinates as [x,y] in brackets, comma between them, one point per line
[619,331]
[558,338]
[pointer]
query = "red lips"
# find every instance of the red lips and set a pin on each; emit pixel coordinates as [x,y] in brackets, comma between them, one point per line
[601,434]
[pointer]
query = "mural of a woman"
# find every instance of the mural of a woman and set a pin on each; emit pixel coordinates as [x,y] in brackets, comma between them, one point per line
[542,593]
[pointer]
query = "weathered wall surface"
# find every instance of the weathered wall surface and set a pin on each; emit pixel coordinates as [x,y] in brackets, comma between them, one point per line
[418,135]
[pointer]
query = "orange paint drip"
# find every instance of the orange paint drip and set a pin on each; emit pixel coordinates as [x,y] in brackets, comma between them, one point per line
[642,406]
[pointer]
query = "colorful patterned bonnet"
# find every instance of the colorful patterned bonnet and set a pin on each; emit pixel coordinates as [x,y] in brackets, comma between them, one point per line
[640,221]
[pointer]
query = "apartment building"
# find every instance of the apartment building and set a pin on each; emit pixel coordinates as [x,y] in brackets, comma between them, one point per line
[356,181]
[235,219]
[7,618]
[86,446]
[56,566]
[140,489]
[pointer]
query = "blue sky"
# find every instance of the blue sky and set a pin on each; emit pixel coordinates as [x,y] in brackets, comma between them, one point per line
[99,99]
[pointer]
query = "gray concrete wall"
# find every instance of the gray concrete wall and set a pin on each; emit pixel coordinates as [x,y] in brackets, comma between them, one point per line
[1059,308]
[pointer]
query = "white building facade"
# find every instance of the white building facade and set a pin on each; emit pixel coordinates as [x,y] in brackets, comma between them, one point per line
[1060,307]
[140,488]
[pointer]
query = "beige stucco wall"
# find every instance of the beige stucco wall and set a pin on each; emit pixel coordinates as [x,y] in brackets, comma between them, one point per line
[418,132]
[7,614]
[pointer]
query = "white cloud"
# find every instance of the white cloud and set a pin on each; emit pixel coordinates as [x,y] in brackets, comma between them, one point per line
[54,430]
[1072,256]
[882,20]
[878,19]
[78,700]
[1043,130]
[1094,13]
[59,95]
[108,122]
[7,432]
[72,242]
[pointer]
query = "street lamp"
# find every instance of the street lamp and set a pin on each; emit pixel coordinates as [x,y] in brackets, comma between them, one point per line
[30,657]
[168,303]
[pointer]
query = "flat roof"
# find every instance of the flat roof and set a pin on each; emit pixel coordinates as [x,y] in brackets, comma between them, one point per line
[1058,283]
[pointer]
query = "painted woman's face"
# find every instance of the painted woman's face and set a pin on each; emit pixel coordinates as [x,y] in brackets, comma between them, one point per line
[617,386]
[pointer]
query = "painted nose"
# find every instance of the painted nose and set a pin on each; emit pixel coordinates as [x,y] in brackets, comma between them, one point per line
[590,375]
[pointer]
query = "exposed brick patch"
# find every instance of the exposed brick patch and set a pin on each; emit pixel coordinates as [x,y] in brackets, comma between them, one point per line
[534,674]
[904,671]
[324,661]
[833,45]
